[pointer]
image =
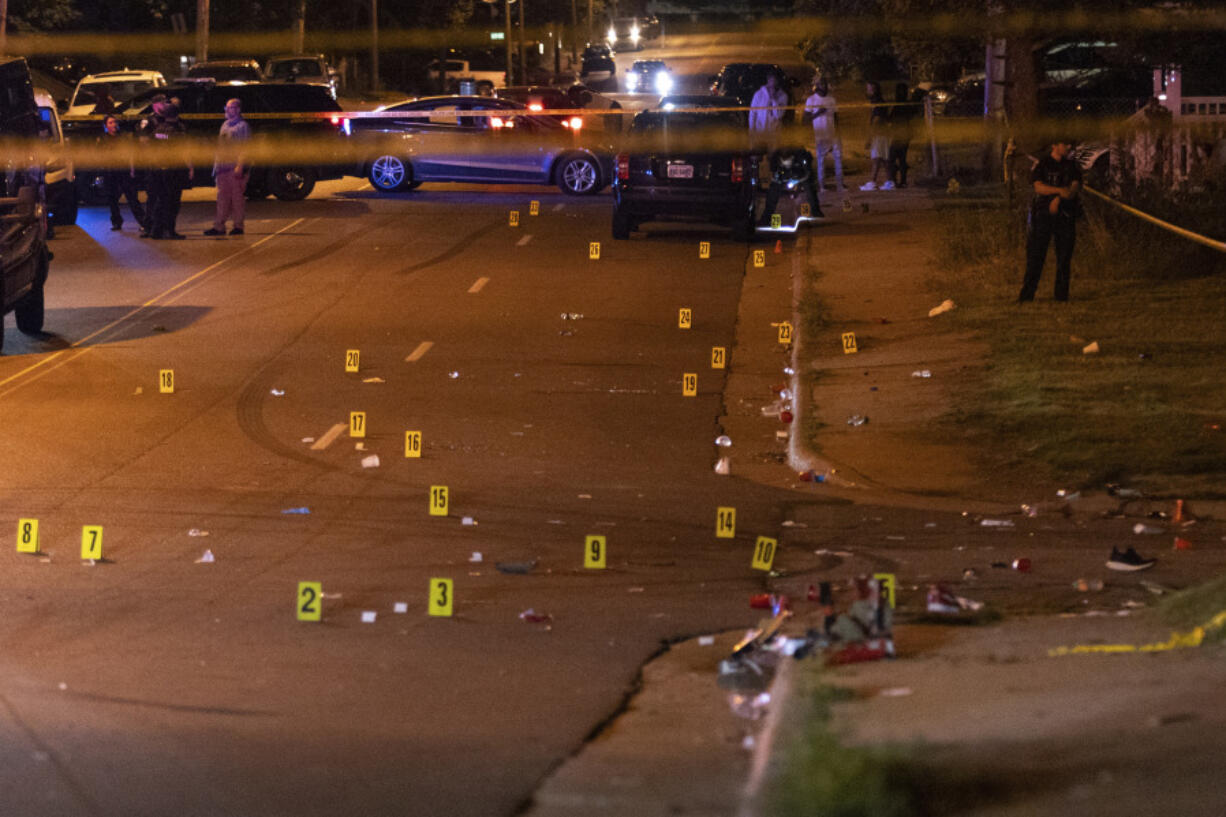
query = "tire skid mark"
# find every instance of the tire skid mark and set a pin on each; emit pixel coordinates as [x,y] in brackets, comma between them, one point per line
[71,783]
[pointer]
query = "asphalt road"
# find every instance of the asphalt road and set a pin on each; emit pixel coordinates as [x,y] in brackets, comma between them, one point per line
[150,684]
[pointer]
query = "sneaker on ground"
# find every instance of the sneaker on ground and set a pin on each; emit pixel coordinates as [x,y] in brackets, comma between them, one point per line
[1129,560]
[214,231]
[869,186]
[888,186]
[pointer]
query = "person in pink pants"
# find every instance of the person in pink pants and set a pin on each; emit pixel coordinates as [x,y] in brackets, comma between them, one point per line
[230,172]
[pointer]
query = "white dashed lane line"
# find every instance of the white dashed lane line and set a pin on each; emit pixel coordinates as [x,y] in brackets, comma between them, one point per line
[329,437]
[421,349]
[524,241]
[478,285]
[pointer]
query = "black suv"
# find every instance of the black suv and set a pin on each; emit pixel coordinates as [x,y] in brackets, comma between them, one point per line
[743,79]
[683,166]
[24,259]
[279,109]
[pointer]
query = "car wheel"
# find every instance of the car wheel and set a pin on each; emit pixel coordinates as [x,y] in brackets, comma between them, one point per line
[389,174]
[622,225]
[579,175]
[292,183]
[745,228]
[29,311]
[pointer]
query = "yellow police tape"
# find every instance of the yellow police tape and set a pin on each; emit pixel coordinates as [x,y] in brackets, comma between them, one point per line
[1193,638]
[1220,246]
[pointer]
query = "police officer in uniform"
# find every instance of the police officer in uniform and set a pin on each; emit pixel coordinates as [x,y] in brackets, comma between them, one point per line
[168,175]
[1053,212]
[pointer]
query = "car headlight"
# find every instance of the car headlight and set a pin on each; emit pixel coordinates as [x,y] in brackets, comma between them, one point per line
[634,34]
[632,81]
[612,34]
[664,83]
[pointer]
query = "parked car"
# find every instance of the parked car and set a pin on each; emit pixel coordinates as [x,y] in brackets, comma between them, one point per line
[312,68]
[680,167]
[626,32]
[222,71]
[649,77]
[123,85]
[743,79]
[58,176]
[486,140]
[24,258]
[284,106]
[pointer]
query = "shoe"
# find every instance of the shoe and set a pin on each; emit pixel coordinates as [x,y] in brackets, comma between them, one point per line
[237,231]
[869,186]
[1129,561]
[158,236]
[116,227]
[888,186]
[177,236]
[901,185]
[214,231]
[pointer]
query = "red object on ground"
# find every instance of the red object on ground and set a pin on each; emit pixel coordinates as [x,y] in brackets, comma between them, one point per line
[761,601]
[1021,565]
[778,246]
[859,652]
[812,595]
[1182,544]
[786,416]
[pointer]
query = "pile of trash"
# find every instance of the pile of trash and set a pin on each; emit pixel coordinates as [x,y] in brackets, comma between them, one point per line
[863,633]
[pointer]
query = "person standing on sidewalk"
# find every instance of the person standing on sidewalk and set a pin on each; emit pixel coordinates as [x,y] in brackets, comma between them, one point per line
[766,114]
[822,110]
[1053,213]
[230,171]
[878,133]
[119,178]
[902,123]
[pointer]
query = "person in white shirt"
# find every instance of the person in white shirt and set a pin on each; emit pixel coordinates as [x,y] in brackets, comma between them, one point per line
[822,110]
[766,113]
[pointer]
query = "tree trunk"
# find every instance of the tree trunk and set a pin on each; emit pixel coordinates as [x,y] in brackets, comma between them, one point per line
[1022,92]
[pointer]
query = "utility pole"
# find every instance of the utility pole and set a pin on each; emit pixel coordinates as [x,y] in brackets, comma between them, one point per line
[523,54]
[202,30]
[507,23]
[4,26]
[374,45]
[298,27]
[590,31]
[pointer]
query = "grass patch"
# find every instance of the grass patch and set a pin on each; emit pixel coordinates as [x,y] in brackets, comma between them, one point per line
[1195,606]
[814,775]
[1143,409]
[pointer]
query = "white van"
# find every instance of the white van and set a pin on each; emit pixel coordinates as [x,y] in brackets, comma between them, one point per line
[123,86]
[58,176]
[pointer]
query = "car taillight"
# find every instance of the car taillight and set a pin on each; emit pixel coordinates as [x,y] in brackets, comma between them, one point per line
[574,123]
[536,106]
[342,122]
[738,169]
[623,167]
[496,122]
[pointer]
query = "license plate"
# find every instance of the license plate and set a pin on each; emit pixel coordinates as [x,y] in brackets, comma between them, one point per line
[681,171]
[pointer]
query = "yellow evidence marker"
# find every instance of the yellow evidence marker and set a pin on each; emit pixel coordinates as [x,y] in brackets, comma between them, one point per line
[357,424]
[719,357]
[689,384]
[27,536]
[441,597]
[785,332]
[166,381]
[704,250]
[764,553]
[91,542]
[849,343]
[889,587]
[534,208]
[514,218]
[806,210]
[759,258]
[776,221]
[685,318]
[309,604]
[593,250]
[594,552]
[412,444]
[725,523]
[351,360]
[438,500]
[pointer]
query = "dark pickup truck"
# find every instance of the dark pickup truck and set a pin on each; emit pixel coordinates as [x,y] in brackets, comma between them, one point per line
[273,109]
[24,259]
